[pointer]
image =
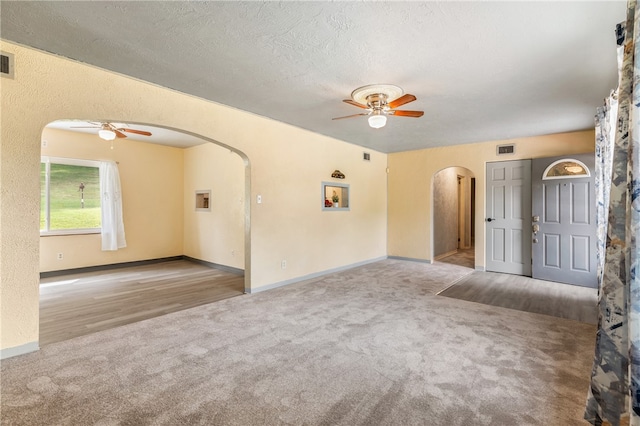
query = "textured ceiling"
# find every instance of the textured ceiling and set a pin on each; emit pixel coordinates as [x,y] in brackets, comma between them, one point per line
[480,70]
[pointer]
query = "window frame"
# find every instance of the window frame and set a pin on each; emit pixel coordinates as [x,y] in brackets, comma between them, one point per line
[47,161]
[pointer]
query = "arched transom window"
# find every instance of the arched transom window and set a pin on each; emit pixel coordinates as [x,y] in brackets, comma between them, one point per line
[566,168]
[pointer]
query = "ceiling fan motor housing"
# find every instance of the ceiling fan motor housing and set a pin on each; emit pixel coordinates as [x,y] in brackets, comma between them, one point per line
[377,101]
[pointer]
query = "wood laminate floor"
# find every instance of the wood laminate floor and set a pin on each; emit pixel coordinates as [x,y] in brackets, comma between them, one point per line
[79,304]
[522,293]
[464,257]
[527,294]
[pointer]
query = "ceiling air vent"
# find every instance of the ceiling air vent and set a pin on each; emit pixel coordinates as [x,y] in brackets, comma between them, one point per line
[366,156]
[506,149]
[6,64]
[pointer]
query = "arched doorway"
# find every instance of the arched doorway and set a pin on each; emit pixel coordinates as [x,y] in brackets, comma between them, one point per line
[164,174]
[453,236]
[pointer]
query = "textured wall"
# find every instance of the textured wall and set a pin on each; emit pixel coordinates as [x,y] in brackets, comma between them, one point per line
[217,235]
[465,207]
[445,211]
[287,166]
[451,210]
[152,192]
[410,189]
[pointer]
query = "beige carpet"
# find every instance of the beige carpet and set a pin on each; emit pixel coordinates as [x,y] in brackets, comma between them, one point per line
[368,346]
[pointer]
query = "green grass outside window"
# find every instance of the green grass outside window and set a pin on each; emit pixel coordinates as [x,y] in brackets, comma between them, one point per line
[66,210]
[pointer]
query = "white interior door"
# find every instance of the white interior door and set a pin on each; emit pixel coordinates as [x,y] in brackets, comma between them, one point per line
[508,217]
[564,233]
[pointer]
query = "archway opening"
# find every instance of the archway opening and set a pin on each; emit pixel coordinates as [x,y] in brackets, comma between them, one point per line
[163,171]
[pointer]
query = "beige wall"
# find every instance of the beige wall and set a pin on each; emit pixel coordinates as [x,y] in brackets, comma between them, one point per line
[287,166]
[410,185]
[152,195]
[216,235]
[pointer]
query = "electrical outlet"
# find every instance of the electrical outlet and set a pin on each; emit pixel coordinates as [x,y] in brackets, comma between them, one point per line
[283,264]
[60,256]
[233,252]
[44,143]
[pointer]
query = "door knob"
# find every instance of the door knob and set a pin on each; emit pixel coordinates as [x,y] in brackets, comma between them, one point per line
[489,219]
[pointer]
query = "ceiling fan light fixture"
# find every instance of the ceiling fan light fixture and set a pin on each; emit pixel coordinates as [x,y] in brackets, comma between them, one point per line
[377,121]
[107,134]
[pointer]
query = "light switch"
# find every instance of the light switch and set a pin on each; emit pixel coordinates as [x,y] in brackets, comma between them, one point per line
[259,199]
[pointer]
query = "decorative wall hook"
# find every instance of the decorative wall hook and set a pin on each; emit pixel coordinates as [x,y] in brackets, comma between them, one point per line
[337,174]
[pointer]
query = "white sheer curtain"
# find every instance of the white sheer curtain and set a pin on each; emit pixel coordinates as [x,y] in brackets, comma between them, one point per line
[112,224]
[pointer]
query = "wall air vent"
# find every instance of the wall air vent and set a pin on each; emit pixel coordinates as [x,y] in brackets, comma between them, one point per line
[366,156]
[506,149]
[6,64]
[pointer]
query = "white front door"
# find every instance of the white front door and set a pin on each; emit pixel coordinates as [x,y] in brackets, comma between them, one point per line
[564,231]
[508,217]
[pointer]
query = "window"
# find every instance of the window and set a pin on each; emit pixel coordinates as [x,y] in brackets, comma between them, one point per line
[69,196]
[566,168]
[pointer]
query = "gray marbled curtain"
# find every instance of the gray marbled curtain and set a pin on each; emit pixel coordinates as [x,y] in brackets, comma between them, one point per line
[615,393]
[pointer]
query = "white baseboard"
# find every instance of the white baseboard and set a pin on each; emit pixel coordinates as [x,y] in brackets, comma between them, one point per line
[19,350]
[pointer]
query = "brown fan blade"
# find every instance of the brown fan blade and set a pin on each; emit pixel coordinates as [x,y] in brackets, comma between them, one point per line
[137,132]
[354,103]
[119,133]
[401,113]
[349,116]
[401,101]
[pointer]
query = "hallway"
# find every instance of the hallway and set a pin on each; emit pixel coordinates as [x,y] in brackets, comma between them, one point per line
[464,257]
